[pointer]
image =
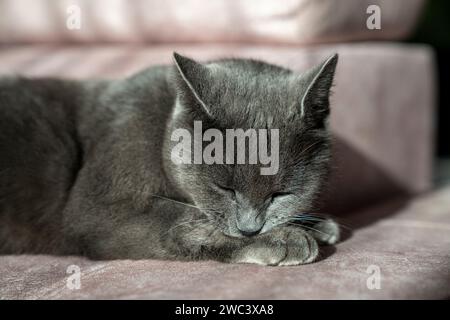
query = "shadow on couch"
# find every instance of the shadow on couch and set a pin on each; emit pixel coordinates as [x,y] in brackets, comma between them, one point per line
[356,184]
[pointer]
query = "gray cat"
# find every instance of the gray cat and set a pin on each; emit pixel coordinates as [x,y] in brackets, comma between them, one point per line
[86,168]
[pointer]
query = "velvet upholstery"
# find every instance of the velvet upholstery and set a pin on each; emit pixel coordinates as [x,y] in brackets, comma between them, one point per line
[169,21]
[381,119]
[408,240]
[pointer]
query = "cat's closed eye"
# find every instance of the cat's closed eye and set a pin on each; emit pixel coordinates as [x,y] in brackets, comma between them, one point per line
[227,190]
[278,195]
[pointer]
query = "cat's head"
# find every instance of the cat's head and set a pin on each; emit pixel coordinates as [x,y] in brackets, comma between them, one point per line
[248,94]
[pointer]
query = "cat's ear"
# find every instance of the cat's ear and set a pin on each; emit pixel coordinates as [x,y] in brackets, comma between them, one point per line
[314,103]
[194,77]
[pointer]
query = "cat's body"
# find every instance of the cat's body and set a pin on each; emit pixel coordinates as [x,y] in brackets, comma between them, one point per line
[85,169]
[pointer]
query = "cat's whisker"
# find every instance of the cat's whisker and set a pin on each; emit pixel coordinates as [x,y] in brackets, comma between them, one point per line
[309,147]
[198,223]
[309,228]
[298,218]
[209,218]
[190,221]
[175,201]
[184,203]
[320,217]
[319,220]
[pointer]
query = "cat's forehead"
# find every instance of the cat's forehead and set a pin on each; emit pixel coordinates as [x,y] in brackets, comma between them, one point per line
[250,74]
[255,91]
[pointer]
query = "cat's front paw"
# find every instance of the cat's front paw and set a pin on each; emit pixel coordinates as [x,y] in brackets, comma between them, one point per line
[326,232]
[284,246]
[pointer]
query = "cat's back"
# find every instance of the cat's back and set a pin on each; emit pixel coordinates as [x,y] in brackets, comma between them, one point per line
[39,159]
[47,129]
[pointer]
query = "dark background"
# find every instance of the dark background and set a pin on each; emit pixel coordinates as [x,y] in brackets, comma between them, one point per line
[434,29]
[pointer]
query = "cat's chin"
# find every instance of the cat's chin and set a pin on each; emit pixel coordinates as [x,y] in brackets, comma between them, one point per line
[238,235]
[233,235]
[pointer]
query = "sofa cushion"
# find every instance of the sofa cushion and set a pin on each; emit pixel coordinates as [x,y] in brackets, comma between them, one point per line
[268,21]
[404,242]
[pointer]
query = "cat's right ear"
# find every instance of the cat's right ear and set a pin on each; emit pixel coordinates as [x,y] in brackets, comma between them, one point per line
[315,104]
[193,76]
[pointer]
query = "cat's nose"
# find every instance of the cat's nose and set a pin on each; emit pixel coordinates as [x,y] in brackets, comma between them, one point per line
[250,226]
[249,222]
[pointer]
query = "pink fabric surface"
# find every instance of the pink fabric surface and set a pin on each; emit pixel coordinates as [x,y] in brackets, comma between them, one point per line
[409,241]
[382,105]
[266,21]
[382,121]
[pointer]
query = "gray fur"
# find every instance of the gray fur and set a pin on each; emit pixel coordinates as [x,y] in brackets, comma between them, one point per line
[85,166]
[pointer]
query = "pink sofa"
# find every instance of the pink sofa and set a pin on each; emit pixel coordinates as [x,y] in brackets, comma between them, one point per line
[382,120]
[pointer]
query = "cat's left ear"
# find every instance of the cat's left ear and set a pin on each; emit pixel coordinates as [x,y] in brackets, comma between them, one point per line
[315,100]
[194,77]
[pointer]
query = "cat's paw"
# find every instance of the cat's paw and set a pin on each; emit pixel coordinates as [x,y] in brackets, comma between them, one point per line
[326,232]
[284,246]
